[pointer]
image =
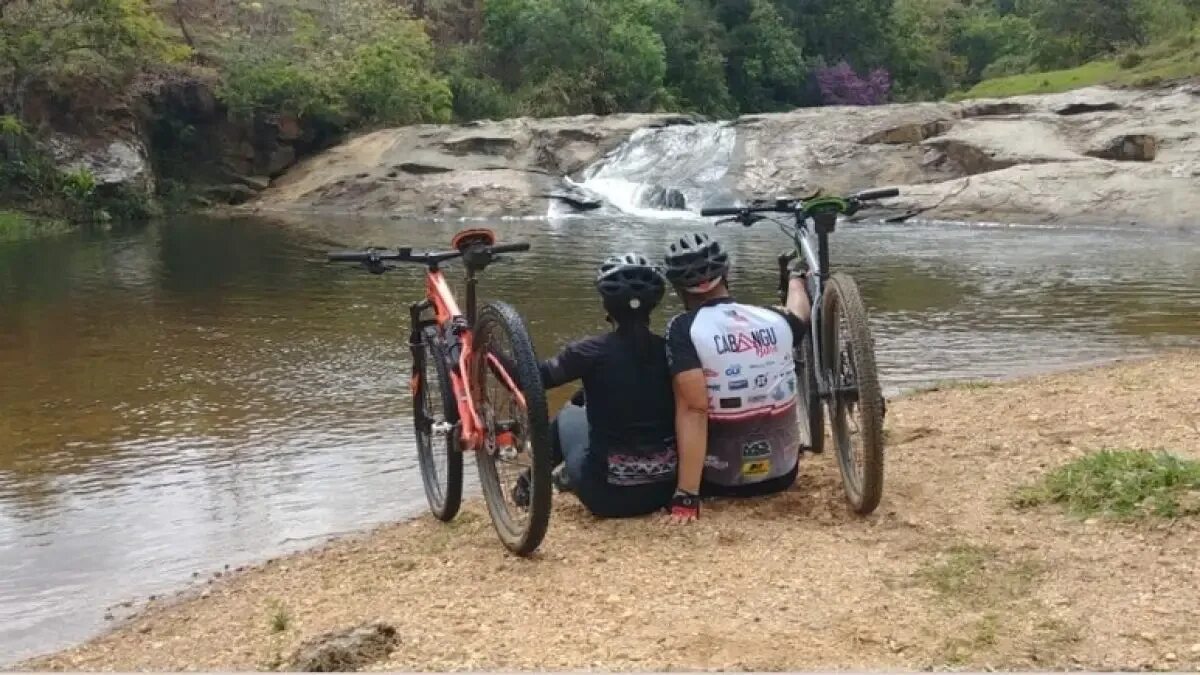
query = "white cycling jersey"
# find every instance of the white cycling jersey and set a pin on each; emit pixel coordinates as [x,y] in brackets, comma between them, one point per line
[746,355]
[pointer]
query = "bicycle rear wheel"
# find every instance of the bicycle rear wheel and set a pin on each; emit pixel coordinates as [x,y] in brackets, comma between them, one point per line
[856,403]
[514,464]
[434,417]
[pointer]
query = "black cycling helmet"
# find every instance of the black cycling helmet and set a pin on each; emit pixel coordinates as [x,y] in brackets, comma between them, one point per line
[696,262]
[629,283]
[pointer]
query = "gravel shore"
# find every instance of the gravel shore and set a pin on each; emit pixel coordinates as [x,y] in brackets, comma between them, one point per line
[947,573]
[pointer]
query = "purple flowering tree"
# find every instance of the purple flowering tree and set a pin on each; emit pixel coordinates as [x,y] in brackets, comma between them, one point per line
[840,85]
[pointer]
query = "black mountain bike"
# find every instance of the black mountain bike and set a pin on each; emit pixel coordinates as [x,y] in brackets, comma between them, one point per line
[835,365]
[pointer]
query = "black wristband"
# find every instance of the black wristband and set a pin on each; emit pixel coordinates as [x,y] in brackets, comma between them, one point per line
[685,500]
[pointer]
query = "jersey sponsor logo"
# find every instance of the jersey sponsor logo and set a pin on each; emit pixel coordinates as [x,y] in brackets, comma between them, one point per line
[760,365]
[733,371]
[738,385]
[761,341]
[754,449]
[708,372]
[714,387]
[780,392]
[761,381]
[736,316]
[761,398]
[756,468]
[727,403]
[715,462]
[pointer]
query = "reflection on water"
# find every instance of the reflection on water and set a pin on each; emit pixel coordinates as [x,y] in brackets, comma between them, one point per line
[200,392]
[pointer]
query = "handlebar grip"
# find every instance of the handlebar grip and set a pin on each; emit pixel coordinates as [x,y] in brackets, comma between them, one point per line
[721,211]
[511,248]
[346,256]
[881,193]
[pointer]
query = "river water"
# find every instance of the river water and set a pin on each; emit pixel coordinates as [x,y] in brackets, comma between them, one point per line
[194,393]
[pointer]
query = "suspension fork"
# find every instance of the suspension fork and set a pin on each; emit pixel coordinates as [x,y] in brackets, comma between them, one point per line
[785,278]
[416,326]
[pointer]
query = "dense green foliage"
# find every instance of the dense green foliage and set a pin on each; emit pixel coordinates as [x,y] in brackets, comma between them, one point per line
[354,62]
[60,45]
[341,64]
[1178,57]
[347,62]
[723,57]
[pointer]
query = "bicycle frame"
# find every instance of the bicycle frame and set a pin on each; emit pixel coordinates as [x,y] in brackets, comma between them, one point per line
[456,331]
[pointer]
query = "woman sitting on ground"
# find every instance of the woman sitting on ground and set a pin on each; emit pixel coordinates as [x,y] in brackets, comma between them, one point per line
[618,448]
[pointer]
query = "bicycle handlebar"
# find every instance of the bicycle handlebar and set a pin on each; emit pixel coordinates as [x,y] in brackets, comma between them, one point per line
[721,211]
[376,256]
[511,248]
[881,193]
[790,205]
[347,256]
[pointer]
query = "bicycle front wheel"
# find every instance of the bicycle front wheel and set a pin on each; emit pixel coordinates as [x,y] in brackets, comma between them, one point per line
[434,414]
[856,402]
[514,464]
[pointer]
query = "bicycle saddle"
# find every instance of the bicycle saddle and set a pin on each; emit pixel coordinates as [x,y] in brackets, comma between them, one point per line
[468,238]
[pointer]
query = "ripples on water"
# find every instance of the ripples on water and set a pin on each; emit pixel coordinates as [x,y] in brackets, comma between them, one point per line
[190,394]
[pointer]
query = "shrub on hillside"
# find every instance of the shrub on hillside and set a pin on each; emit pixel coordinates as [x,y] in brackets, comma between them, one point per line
[840,85]
[372,66]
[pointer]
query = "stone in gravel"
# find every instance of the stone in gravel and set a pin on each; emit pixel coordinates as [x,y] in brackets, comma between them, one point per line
[1195,648]
[345,650]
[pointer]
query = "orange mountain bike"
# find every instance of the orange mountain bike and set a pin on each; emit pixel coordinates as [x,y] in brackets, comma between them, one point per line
[476,388]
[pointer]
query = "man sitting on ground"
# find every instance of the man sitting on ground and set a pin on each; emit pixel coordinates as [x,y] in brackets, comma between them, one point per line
[736,413]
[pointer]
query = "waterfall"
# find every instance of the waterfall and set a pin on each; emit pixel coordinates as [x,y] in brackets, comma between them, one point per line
[662,172]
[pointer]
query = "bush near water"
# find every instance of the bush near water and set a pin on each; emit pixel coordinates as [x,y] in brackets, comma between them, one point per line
[347,64]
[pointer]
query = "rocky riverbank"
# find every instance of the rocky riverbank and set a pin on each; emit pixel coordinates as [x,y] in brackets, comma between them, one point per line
[947,573]
[1096,156]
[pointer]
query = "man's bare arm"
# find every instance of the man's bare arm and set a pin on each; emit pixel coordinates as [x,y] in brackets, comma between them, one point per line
[691,427]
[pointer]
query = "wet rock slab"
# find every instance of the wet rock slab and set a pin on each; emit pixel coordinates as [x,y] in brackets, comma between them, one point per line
[1094,156]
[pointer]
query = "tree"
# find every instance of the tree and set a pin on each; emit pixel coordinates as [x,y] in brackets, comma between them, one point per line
[575,56]
[924,62]
[60,43]
[764,65]
[856,31]
[840,85]
[984,37]
[391,79]
[1070,32]
[336,63]
[691,35]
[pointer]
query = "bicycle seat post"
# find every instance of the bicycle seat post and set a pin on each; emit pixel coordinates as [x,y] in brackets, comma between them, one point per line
[471,282]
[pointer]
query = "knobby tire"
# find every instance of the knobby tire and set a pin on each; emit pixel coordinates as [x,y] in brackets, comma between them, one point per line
[443,488]
[842,299]
[494,319]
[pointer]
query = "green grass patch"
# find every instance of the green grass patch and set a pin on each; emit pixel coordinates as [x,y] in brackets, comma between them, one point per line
[962,647]
[1125,484]
[1172,59]
[15,226]
[280,618]
[978,575]
[1052,82]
